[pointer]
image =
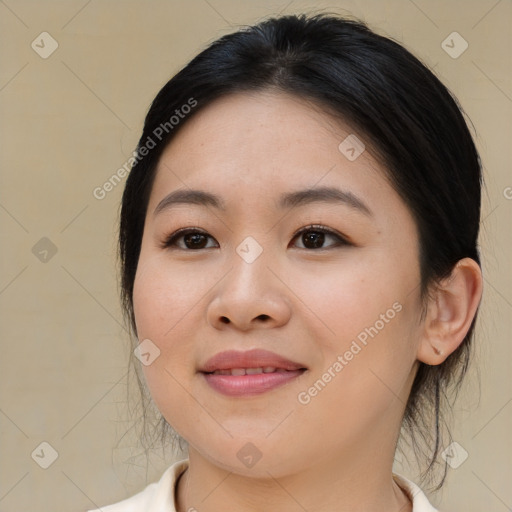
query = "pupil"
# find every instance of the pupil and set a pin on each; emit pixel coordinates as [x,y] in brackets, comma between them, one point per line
[194,239]
[315,238]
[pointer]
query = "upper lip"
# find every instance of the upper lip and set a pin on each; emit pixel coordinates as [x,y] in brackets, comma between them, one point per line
[256,358]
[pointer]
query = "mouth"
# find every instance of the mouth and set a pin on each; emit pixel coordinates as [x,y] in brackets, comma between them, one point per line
[235,373]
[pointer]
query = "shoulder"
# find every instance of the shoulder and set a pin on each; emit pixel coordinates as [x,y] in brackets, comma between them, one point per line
[418,498]
[155,497]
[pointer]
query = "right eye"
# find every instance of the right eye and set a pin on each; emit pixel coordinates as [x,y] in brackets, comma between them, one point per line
[193,239]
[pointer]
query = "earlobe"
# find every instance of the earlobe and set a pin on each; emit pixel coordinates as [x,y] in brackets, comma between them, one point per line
[450,312]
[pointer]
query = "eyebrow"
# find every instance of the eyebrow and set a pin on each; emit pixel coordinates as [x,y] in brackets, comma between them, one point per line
[288,200]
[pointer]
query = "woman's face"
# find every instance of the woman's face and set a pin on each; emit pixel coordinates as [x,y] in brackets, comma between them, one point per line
[343,304]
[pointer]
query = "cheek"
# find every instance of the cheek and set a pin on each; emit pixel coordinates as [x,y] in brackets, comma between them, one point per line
[361,383]
[366,315]
[164,296]
[159,303]
[345,297]
[169,311]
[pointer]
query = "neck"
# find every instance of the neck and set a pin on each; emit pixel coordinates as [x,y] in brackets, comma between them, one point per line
[364,485]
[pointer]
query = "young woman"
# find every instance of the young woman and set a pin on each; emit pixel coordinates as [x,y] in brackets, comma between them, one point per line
[298,247]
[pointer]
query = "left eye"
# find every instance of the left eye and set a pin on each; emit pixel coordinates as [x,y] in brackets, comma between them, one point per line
[313,237]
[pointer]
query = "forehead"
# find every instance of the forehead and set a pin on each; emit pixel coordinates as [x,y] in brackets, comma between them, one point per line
[254,146]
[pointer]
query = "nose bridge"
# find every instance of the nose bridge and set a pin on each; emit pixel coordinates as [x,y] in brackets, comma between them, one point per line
[249,263]
[250,291]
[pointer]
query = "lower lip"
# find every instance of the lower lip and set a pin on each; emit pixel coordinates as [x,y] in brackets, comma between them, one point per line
[247,385]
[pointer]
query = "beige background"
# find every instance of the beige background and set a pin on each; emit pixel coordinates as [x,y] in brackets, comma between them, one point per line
[69,121]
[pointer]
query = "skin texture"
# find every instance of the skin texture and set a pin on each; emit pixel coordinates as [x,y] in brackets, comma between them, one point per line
[336,451]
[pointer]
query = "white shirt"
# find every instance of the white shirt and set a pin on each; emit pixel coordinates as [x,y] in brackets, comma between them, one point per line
[160,496]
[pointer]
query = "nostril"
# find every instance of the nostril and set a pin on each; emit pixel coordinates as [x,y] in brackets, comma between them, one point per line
[263,317]
[224,319]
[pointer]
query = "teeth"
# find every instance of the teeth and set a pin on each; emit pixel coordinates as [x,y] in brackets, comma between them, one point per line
[248,371]
[252,371]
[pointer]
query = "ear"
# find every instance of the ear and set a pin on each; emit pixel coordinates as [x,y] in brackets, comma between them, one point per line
[450,311]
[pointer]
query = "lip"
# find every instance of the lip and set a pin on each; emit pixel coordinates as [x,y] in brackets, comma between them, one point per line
[251,384]
[255,358]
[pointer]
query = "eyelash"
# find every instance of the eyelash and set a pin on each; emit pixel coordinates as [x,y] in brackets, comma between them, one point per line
[170,241]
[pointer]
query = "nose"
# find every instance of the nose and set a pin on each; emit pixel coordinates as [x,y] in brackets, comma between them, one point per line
[250,296]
